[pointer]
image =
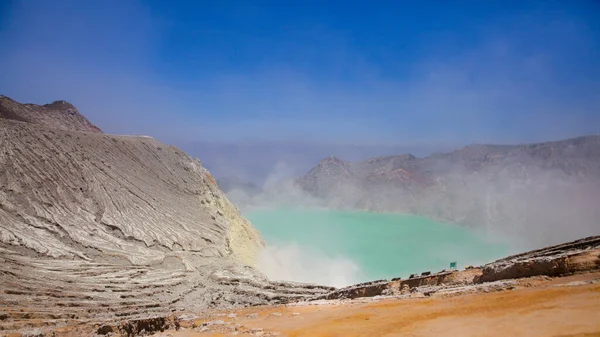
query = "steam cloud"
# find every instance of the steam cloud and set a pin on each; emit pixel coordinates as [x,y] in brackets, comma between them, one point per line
[292,262]
[517,204]
[531,78]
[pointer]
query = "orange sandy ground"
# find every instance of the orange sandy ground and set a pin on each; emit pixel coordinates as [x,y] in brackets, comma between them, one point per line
[540,309]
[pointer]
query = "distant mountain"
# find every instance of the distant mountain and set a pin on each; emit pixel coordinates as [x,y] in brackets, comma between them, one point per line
[546,192]
[263,162]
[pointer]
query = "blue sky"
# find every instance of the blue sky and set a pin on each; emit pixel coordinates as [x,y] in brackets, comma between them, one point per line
[410,73]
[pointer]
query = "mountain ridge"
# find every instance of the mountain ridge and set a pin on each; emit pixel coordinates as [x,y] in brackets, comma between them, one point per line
[480,185]
[58,114]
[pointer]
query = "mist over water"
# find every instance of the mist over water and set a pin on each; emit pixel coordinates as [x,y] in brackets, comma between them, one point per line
[340,248]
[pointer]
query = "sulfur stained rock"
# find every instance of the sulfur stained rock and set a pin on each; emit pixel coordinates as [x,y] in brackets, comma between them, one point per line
[106,228]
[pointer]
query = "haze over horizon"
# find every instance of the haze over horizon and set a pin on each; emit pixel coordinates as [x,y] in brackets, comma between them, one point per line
[363,79]
[299,168]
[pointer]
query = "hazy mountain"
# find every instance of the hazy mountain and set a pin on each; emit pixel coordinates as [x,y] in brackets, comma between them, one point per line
[266,162]
[546,192]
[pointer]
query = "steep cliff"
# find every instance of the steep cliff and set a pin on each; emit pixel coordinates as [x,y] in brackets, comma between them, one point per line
[132,197]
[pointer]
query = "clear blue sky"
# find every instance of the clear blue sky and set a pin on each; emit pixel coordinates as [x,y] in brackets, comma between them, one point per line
[370,72]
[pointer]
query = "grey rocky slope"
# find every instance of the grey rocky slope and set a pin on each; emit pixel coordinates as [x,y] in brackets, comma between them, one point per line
[545,193]
[58,114]
[95,226]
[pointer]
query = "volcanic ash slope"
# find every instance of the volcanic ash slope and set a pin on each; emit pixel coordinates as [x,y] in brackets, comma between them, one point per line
[96,226]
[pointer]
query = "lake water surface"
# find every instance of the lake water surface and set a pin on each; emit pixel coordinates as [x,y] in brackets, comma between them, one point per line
[344,247]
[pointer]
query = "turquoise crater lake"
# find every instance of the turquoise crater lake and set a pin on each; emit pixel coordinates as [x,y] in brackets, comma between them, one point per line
[345,247]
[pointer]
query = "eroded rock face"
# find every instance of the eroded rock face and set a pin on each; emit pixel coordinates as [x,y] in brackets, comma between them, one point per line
[96,227]
[73,194]
[571,257]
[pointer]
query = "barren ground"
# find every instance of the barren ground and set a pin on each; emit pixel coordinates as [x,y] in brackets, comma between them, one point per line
[568,306]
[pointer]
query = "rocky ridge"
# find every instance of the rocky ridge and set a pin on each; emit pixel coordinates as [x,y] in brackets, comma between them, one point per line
[528,191]
[58,114]
[578,256]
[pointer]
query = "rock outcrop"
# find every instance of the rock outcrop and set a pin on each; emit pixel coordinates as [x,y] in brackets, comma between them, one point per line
[77,194]
[58,114]
[96,227]
[566,258]
[578,256]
